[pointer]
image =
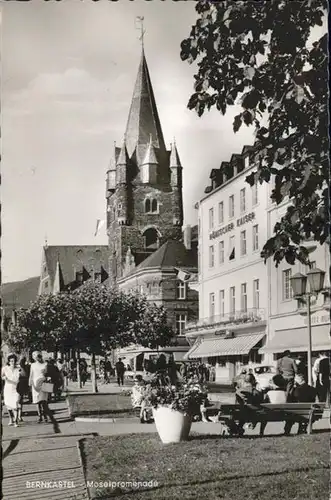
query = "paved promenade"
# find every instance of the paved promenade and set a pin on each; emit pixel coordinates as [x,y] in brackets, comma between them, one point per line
[49,452]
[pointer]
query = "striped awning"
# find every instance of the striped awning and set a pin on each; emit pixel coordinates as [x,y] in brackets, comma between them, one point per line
[296,340]
[233,346]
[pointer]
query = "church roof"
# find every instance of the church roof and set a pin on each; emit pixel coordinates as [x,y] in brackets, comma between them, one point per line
[171,254]
[123,157]
[72,258]
[150,156]
[143,119]
[174,158]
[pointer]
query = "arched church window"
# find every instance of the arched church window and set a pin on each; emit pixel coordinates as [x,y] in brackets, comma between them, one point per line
[154,205]
[151,239]
[147,205]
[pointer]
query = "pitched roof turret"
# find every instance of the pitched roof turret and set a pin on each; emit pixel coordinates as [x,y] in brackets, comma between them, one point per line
[143,120]
[174,158]
[150,156]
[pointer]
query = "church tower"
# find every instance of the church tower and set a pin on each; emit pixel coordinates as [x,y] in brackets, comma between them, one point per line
[144,184]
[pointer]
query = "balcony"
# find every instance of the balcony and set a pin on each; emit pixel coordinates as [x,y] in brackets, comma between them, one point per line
[234,318]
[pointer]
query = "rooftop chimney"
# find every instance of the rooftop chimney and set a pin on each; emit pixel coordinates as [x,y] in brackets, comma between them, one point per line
[187,237]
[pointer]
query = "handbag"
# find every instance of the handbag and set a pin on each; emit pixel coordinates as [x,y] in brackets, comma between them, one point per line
[47,387]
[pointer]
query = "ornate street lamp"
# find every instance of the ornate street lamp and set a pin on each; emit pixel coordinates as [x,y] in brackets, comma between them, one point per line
[315,278]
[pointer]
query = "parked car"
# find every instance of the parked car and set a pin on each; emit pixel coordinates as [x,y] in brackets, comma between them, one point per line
[262,374]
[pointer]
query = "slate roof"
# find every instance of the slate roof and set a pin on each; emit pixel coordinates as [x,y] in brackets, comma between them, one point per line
[74,258]
[171,254]
[143,119]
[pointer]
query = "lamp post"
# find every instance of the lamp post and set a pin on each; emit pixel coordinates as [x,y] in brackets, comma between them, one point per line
[315,279]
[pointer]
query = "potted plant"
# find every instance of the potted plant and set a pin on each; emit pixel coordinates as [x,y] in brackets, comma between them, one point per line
[174,405]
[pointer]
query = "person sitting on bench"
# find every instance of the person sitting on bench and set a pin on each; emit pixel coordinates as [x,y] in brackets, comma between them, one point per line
[302,393]
[138,399]
[246,391]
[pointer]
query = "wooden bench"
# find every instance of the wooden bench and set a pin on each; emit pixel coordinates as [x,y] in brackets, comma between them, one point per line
[236,415]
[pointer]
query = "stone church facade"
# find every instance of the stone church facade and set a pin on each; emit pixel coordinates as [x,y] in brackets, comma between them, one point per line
[144,184]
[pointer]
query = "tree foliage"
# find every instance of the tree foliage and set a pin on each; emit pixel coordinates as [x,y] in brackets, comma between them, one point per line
[256,53]
[93,319]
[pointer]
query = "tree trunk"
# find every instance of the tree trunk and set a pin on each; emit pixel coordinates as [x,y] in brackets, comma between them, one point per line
[93,374]
[78,370]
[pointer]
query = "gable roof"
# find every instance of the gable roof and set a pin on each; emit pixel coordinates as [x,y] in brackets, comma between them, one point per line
[171,254]
[74,258]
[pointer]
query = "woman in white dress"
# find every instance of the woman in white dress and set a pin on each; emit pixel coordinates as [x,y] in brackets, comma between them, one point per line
[37,378]
[10,374]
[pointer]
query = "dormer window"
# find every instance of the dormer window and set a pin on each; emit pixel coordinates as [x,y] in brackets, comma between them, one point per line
[246,161]
[97,277]
[79,277]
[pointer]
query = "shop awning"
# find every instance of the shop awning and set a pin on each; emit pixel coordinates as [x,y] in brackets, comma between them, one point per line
[297,340]
[234,346]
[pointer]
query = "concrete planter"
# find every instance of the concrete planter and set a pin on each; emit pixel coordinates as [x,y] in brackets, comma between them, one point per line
[172,425]
[277,397]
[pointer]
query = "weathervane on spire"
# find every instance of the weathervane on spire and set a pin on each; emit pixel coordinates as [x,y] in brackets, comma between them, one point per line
[140,19]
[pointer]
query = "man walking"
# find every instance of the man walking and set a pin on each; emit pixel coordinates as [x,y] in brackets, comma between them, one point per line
[323,378]
[120,369]
[287,367]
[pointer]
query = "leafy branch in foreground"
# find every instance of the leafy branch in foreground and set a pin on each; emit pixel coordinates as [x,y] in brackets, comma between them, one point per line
[258,54]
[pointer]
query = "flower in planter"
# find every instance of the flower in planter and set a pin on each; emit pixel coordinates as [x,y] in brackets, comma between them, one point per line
[185,396]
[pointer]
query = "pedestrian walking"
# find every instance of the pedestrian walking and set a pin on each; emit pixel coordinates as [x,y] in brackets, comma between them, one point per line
[36,380]
[83,372]
[287,367]
[10,375]
[323,378]
[22,386]
[54,374]
[108,370]
[120,369]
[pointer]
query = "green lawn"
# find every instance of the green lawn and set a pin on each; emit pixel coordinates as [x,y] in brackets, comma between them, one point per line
[101,404]
[210,467]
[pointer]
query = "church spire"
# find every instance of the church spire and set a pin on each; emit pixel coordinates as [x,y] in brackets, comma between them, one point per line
[143,120]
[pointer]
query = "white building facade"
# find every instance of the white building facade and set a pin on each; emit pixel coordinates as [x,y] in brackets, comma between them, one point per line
[232,285]
[247,314]
[288,316]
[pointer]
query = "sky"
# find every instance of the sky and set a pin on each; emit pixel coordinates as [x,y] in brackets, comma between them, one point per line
[68,72]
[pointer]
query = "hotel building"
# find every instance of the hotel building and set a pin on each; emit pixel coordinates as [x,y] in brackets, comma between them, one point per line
[247,313]
[232,280]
